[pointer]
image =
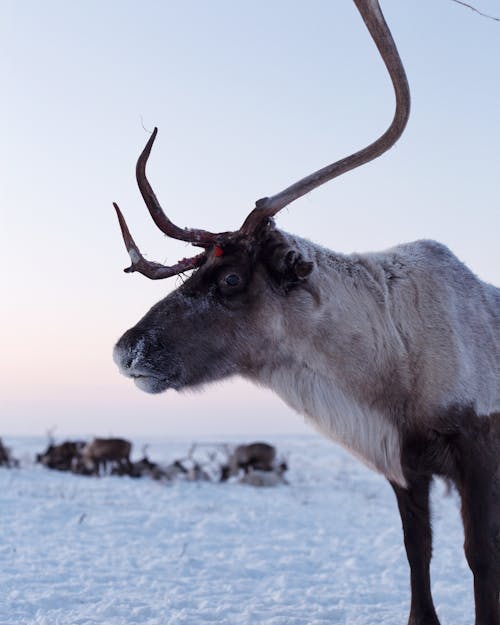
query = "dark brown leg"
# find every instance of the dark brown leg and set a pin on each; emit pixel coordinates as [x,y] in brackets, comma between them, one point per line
[413,504]
[479,485]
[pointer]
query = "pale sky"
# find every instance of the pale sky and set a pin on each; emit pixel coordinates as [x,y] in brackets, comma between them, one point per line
[248,97]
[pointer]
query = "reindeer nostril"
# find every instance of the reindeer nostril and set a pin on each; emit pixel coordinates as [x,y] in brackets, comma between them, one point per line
[123,357]
[129,350]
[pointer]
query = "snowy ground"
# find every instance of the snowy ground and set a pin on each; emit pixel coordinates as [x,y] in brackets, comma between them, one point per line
[111,551]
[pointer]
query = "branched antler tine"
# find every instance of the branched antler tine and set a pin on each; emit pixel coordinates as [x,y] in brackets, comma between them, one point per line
[132,249]
[372,15]
[200,238]
[152,270]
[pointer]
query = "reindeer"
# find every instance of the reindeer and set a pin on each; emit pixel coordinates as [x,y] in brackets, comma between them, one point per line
[6,459]
[100,451]
[395,355]
[255,456]
[61,457]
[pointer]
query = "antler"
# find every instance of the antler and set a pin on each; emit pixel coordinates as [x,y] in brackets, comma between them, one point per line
[268,207]
[152,270]
[377,26]
[201,238]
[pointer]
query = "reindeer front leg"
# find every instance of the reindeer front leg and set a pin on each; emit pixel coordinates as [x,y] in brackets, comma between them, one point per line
[413,504]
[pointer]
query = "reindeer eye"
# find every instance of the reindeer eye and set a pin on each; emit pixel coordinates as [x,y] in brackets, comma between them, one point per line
[232,279]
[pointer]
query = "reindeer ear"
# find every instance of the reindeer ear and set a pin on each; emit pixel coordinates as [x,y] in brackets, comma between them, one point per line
[285,263]
[296,266]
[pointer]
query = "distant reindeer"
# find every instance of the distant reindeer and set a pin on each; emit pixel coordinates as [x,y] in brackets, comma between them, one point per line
[61,457]
[395,355]
[6,459]
[256,456]
[100,451]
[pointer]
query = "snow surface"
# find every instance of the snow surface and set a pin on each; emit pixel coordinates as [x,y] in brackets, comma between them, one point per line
[325,549]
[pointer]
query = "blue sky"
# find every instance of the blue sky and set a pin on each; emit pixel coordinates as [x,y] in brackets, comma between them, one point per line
[248,97]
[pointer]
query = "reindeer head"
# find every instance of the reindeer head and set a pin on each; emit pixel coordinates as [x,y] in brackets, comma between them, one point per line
[251,288]
[226,317]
